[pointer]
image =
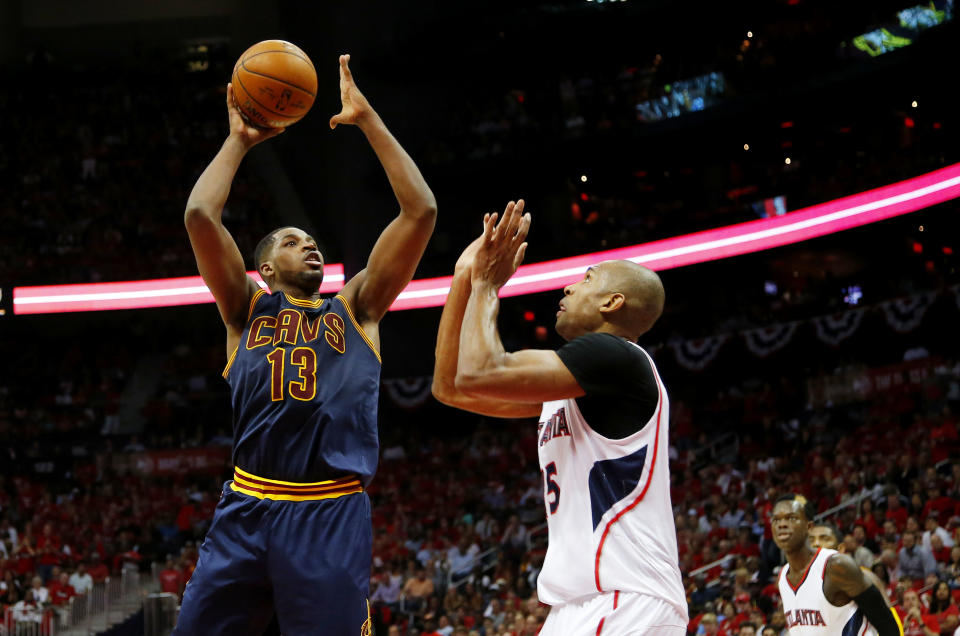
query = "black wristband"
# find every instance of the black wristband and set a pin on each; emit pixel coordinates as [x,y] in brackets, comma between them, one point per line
[880,615]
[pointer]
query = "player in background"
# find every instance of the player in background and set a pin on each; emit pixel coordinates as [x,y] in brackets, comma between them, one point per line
[611,565]
[824,591]
[826,535]
[291,534]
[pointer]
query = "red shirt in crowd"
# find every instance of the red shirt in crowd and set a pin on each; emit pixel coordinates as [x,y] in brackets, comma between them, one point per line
[898,516]
[61,593]
[913,627]
[98,572]
[171,580]
[49,549]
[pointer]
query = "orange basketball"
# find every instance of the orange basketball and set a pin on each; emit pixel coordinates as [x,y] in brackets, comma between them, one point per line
[274,84]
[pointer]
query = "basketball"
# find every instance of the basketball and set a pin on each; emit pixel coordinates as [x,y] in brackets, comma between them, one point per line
[274,84]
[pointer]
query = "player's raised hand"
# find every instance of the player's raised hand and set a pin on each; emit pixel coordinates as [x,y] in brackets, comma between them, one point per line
[354,104]
[239,127]
[503,246]
[465,262]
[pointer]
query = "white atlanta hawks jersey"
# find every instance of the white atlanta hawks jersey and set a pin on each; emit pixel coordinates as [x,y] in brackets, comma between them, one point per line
[609,514]
[809,612]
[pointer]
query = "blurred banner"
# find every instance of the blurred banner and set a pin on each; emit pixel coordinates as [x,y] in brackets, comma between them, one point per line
[174,462]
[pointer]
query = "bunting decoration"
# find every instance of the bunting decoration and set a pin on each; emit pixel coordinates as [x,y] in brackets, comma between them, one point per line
[905,314]
[835,328]
[697,354]
[409,393]
[766,340]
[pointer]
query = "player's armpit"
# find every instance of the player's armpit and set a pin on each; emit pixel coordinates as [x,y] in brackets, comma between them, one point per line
[530,376]
[880,615]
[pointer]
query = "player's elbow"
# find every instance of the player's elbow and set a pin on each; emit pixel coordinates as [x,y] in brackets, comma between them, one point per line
[468,383]
[424,211]
[441,390]
[197,216]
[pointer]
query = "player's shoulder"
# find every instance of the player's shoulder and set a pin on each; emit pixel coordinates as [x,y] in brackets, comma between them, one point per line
[839,564]
[606,342]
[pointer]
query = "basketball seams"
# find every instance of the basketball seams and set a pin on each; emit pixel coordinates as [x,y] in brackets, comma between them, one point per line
[275,79]
[260,104]
[258,53]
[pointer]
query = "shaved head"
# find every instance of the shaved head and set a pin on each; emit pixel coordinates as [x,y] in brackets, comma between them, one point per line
[642,291]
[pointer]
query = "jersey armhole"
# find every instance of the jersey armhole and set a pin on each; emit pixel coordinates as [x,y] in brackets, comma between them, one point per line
[363,334]
[253,304]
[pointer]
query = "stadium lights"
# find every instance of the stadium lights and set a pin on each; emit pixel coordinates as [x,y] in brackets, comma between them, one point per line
[743,238]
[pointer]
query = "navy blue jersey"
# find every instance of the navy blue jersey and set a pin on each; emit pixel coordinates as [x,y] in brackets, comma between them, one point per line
[304,384]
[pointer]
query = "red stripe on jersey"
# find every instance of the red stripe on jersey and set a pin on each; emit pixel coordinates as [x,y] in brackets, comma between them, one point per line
[600,626]
[616,597]
[653,464]
[805,573]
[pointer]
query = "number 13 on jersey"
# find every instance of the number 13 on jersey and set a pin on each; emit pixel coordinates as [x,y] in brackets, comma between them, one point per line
[304,387]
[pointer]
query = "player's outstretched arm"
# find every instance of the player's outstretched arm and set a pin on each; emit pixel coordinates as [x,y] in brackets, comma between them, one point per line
[448,350]
[842,573]
[484,368]
[397,252]
[218,257]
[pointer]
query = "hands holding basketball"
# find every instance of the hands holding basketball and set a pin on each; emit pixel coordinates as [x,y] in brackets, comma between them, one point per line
[355,105]
[502,246]
[249,135]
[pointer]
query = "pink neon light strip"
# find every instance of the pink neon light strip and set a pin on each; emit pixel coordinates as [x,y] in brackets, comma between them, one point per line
[743,238]
[138,294]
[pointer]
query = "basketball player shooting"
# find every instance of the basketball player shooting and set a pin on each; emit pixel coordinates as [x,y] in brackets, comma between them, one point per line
[824,591]
[611,564]
[291,534]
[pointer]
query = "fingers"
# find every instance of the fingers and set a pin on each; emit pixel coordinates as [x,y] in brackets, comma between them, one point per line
[229,94]
[489,227]
[345,66]
[524,227]
[334,121]
[518,257]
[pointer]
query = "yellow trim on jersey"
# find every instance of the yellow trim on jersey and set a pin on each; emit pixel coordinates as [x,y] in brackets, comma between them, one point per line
[278,497]
[263,488]
[896,617]
[367,628]
[360,330]
[233,356]
[253,303]
[299,302]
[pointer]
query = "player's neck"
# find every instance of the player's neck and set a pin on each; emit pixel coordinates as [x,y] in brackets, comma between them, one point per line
[800,558]
[297,292]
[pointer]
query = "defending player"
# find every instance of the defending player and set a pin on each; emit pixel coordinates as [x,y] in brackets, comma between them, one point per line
[824,591]
[292,533]
[611,564]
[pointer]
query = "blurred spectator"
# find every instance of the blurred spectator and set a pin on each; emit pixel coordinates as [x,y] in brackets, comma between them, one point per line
[61,591]
[943,608]
[914,560]
[80,580]
[171,579]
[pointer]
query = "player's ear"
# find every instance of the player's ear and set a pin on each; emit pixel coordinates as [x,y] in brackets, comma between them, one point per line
[266,270]
[613,302]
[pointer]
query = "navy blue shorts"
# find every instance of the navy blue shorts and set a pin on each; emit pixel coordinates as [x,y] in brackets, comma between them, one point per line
[303,561]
